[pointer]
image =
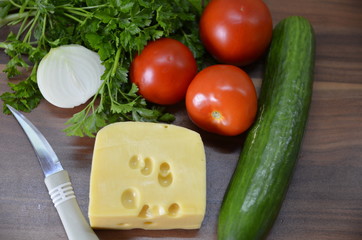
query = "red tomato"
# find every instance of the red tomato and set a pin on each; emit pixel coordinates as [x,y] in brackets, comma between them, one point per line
[163,71]
[236,31]
[222,99]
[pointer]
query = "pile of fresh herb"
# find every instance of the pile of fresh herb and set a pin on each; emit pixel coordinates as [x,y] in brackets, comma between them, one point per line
[116,29]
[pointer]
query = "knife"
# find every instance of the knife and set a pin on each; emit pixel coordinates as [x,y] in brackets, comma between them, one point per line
[58,183]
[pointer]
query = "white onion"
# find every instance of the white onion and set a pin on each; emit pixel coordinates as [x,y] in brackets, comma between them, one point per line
[69,75]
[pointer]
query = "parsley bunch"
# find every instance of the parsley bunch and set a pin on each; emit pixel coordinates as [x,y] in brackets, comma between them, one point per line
[116,29]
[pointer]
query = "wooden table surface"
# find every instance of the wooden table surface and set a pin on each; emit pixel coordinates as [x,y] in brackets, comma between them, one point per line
[324,201]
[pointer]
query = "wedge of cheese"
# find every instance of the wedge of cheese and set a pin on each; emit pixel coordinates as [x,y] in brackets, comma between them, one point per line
[148,176]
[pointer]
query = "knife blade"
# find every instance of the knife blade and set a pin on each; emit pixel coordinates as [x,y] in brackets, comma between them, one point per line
[58,183]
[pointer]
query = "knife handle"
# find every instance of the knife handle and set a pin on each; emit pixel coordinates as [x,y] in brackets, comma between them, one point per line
[62,194]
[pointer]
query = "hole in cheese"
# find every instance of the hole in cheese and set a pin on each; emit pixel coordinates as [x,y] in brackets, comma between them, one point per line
[173,209]
[158,210]
[145,212]
[164,169]
[165,181]
[124,224]
[164,176]
[134,162]
[147,169]
[147,223]
[129,198]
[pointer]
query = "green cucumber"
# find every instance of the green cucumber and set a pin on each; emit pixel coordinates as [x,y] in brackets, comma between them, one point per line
[265,167]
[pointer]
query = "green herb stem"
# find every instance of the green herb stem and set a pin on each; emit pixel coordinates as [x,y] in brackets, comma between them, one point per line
[42,37]
[72,17]
[23,6]
[116,61]
[13,17]
[15,4]
[79,12]
[24,26]
[96,6]
[29,33]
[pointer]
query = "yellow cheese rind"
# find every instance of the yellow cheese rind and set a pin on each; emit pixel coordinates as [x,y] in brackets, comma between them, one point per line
[148,176]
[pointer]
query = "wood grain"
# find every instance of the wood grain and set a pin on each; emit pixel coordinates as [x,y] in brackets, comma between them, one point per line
[324,201]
